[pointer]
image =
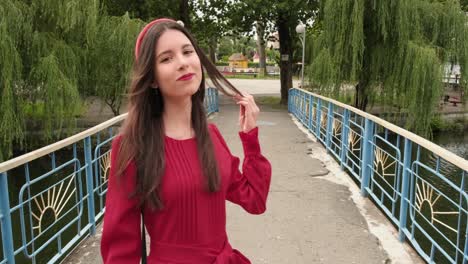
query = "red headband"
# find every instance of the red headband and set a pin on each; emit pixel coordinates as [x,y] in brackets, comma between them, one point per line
[145,29]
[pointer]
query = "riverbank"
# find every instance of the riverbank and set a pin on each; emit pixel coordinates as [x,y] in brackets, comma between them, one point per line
[452,118]
[448,118]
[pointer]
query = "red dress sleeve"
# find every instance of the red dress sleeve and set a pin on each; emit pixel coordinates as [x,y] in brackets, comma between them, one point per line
[250,187]
[121,235]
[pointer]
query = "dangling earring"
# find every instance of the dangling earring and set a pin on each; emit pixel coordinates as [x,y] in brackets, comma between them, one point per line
[155,88]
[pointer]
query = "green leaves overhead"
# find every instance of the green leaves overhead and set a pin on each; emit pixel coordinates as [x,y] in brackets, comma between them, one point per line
[58,94]
[114,57]
[391,49]
[52,53]
[11,127]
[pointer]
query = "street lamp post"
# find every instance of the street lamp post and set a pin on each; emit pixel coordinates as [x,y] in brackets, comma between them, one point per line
[300,29]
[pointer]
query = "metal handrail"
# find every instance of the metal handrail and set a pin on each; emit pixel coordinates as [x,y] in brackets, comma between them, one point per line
[420,187]
[68,189]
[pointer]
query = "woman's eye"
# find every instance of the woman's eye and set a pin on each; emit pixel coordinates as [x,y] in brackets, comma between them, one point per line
[188,51]
[165,60]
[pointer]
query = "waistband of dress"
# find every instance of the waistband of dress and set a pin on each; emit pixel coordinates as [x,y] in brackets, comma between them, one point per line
[162,252]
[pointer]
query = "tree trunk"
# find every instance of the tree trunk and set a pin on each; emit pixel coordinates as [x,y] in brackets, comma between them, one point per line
[184,13]
[364,85]
[114,105]
[285,56]
[213,50]
[362,98]
[261,47]
[363,88]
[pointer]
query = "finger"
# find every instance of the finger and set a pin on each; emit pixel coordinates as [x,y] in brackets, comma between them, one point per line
[236,98]
[251,107]
[243,99]
[241,112]
[249,115]
[243,103]
[252,100]
[241,116]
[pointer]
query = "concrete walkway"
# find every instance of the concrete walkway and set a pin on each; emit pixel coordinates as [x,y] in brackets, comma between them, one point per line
[314,213]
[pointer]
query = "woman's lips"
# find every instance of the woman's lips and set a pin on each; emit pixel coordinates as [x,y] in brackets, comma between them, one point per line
[186,77]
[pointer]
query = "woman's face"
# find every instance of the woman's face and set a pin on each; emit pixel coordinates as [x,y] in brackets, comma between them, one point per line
[178,68]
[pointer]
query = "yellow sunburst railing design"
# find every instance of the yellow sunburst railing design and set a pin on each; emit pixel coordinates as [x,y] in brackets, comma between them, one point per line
[105,165]
[336,127]
[323,120]
[381,159]
[52,199]
[353,141]
[425,193]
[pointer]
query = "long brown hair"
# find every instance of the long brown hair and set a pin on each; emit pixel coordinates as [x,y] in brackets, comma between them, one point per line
[143,130]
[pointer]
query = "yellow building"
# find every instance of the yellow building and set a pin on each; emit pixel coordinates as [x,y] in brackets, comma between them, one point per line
[237,60]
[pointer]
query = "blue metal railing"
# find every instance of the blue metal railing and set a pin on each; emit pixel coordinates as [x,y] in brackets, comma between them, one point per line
[421,187]
[52,198]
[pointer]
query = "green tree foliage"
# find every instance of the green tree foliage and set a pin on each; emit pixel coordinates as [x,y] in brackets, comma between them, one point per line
[284,15]
[210,24]
[40,62]
[113,55]
[393,50]
[143,9]
[226,47]
[52,54]
[464,5]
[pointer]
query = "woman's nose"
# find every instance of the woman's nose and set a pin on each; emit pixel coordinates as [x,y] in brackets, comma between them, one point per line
[182,61]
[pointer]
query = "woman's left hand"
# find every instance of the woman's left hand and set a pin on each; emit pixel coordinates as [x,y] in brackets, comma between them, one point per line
[248,112]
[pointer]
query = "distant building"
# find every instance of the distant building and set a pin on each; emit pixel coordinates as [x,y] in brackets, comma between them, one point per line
[256,58]
[238,60]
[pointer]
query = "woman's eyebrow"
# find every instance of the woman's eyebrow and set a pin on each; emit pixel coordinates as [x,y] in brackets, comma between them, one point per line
[170,51]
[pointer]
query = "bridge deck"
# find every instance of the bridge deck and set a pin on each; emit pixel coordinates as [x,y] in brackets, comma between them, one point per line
[315,213]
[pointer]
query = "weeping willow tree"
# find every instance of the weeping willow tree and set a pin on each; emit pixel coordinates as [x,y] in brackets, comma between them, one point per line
[53,53]
[390,49]
[42,46]
[114,56]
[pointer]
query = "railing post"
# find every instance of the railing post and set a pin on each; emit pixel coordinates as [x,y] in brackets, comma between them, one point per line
[216,99]
[293,99]
[318,117]
[89,183]
[329,125]
[303,110]
[344,137]
[213,102]
[299,106]
[465,189]
[405,188]
[311,106]
[7,233]
[367,156]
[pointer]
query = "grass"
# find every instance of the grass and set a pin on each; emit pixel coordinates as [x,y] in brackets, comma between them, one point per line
[271,101]
[36,110]
[252,77]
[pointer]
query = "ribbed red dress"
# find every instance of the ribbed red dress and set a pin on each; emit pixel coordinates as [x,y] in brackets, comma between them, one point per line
[191,228]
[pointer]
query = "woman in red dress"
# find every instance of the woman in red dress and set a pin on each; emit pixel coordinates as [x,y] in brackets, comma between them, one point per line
[171,165]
